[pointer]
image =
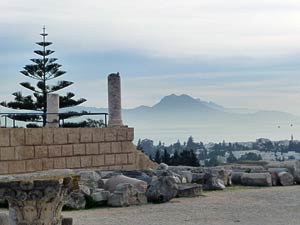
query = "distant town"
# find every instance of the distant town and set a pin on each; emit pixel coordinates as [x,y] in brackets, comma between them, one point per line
[195,153]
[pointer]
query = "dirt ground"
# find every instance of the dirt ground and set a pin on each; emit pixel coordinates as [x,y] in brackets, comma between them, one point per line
[263,206]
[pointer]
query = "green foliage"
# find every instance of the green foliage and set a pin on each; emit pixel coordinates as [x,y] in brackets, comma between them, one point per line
[43,70]
[251,156]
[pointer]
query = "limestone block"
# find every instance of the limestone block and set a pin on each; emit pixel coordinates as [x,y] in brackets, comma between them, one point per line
[127,146]
[34,165]
[100,195]
[116,147]
[98,135]
[17,136]
[104,148]
[110,134]
[3,167]
[34,136]
[60,163]
[61,136]
[86,161]
[121,134]
[131,158]
[130,134]
[129,167]
[67,150]
[79,149]
[85,135]
[121,159]
[98,160]
[7,153]
[73,162]
[115,167]
[24,152]
[16,167]
[48,136]
[4,136]
[74,135]
[109,159]
[54,150]
[48,164]
[92,149]
[41,151]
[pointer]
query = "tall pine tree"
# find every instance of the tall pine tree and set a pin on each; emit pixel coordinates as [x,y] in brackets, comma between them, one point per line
[43,70]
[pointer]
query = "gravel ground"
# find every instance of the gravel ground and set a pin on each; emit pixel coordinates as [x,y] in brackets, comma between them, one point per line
[263,206]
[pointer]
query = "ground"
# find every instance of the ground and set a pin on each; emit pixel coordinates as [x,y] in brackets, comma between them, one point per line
[259,206]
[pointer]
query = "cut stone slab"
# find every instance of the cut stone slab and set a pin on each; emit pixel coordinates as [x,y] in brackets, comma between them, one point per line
[257,179]
[114,181]
[189,190]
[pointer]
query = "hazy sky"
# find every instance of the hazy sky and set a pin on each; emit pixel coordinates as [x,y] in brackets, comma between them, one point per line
[235,53]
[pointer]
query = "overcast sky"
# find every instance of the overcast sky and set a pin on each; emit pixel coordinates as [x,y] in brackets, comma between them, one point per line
[242,54]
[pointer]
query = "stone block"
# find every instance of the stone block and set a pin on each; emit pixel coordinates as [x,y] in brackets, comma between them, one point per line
[109,160]
[60,163]
[34,165]
[92,149]
[48,136]
[7,153]
[41,151]
[3,168]
[79,149]
[110,134]
[74,135]
[73,162]
[61,136]
[131,158]
[115,167]
[122,134]
[24,152]
[4,136]
[16,167]
[104,148]
[127,147]
[48,164]
[86,161]
[34,136]
[67,150]
[130,134]
[121,159]
[129,167]
[98,135]
[54,151]
[85,135]
[17,136]
[116,147]
[98,160]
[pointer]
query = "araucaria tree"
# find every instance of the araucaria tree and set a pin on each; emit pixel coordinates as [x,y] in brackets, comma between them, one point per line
[44,69]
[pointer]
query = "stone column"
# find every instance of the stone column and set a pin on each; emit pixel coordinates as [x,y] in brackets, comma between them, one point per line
[37,198]
[114,100]
[52,110]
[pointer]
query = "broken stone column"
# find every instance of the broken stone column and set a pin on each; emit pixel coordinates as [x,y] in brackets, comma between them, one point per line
[52,110]
[37,198]
[114,100]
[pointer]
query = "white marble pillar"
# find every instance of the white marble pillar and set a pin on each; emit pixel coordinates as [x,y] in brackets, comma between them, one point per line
[52,110]
[114,100]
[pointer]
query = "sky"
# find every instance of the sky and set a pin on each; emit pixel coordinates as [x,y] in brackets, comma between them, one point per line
[239,54]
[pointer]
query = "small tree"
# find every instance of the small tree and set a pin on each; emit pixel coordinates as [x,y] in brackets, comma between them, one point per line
[43,70]
[157,156]
[166,158]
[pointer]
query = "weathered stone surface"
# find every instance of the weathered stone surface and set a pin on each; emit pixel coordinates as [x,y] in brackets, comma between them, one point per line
[257,179]
[126,195]
[285,178]
[236,178]
[162,189]
[114,100]
[212,182]
[76,200]
[89,178]
[100,196]
[67,221]
[111,184]
[3,219]
[189,190]
[297,176]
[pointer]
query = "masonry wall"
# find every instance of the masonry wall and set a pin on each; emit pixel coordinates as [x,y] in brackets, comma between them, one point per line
[35,149]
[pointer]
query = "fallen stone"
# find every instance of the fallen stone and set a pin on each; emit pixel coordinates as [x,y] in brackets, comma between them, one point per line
[236,178]
[286,179]
[3,219]
[111,184]
[212,182]
[162,189]
[187,175]
[257,179]
[100,196]
[89,178]
[189,190]
[297,176]
[76,200]
[67,221]
[197,178]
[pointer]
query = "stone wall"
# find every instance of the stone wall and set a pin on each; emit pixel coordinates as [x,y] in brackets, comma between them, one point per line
[36,149]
